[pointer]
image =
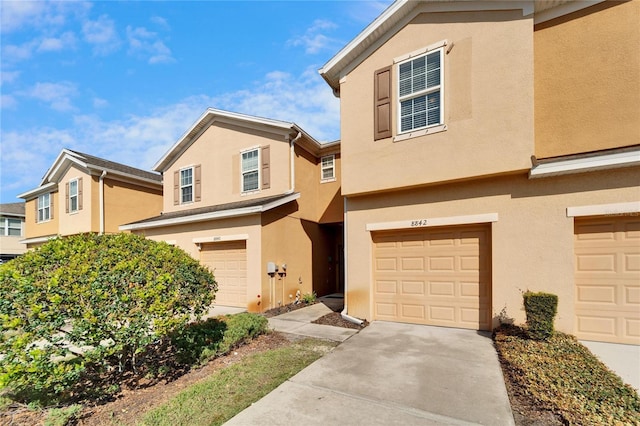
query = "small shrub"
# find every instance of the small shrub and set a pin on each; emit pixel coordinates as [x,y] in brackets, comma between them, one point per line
[540,309]
[63,416]
[309,297]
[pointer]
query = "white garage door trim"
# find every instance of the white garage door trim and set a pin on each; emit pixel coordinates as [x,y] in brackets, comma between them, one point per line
[425,222]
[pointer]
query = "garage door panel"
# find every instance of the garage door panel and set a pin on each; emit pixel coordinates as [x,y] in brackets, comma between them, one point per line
[443,277]
[607,279]
[228,261]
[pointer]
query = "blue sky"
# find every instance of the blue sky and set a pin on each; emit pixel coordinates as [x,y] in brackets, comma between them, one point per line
[124,80]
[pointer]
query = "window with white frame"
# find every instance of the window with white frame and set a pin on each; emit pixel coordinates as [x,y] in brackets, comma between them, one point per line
[250,170]
[420,91]
[328,169]
[10,227]
[44,207]
[73,196]
[186,185]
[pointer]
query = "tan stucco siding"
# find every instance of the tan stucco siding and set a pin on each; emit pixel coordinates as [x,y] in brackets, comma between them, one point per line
[12,245]
[286,240]
[218,150]
[243,227]
[33,229]
[79,221]
[532,240]
[320,201]
[488,104]
[126,203]
[587,80]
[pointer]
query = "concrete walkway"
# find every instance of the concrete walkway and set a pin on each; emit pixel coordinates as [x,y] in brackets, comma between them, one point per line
[298,322]
[624,360]
[393,374]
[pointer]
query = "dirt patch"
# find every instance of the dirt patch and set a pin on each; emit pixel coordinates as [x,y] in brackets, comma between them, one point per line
[336,320]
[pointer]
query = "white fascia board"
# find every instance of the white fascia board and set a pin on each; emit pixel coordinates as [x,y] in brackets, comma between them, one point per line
[614,209]
[586,164]
[424,222]
[37,191]
[563,9]
[38,239]
[211,215]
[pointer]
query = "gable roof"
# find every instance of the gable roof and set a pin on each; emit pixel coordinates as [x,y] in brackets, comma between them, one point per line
[220,211]
[12,209]
[399,13]
[212,115]
[95,165]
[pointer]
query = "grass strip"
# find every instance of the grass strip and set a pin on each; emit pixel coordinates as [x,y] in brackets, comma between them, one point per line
[563,376]
[231,390]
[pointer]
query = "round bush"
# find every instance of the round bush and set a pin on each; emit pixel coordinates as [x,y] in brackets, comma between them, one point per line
[92,301]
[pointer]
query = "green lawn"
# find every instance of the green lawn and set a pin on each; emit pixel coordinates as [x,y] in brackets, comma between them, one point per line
[229,391]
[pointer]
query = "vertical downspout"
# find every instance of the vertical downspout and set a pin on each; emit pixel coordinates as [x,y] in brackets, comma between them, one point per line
[346,272]
[292,157]
[104,173]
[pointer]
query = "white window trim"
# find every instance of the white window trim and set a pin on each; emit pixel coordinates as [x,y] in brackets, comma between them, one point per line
[192,185]
[250,191]
[332,167]
[49,194]
[4,224]
[71,211]
[434,128]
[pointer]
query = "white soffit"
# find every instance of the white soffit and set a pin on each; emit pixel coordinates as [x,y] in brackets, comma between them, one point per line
[431,222]
[585,164]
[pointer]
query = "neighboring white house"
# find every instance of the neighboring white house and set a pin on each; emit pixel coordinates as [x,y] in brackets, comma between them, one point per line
[11,230]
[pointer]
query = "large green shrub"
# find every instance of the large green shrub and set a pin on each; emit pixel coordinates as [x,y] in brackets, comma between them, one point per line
[90,302]
[540,309]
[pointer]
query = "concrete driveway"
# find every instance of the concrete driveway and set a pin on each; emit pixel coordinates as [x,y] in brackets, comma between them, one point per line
[393,374]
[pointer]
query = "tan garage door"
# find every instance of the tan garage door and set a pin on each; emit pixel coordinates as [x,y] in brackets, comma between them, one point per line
[434,276]
[607,277]
[228,261]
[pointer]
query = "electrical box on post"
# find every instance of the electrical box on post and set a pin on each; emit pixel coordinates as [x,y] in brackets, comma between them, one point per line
[272,268]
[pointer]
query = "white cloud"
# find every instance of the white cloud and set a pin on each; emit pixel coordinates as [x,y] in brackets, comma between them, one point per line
[66,40]
[145,43]
[313,40]
[100,103]
[57,95]
[7,102]
[160,21]
[102,35]
[15,53]
[20,15]
[9,76]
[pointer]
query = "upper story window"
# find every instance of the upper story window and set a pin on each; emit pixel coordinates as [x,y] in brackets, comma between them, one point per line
[328,169]
[420,91]
[186,185]
[10,227]
[44,207]
[250,170]
[73,196]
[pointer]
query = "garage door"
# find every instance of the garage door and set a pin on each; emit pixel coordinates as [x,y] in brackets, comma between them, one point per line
[228,261]
[434,276]
[607,279]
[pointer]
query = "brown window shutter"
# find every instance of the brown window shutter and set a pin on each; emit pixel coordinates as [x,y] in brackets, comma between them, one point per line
[197,180]
[176,187]
[37,200]
[382,104]
[266,165]
[51,205]
[66,197]
[79,193]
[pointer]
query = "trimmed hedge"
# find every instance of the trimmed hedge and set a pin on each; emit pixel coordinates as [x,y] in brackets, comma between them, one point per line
[90,302]
[540,308]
